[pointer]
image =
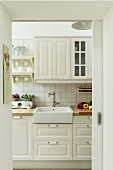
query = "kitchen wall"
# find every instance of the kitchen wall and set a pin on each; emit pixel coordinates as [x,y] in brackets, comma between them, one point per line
[27,30]
[22,34]
[67,94]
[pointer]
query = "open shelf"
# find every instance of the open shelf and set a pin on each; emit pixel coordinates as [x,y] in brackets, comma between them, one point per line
[23,76]
[86,89]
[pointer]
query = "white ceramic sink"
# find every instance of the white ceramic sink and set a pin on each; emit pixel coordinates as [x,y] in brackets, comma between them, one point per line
[52,115]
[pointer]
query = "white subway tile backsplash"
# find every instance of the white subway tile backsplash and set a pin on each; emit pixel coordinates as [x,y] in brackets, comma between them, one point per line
[66,93]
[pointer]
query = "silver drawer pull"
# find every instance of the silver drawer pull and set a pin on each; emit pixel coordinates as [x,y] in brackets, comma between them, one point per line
[17,117]
[52,126]
[52,143]
[89,143]
[89,117]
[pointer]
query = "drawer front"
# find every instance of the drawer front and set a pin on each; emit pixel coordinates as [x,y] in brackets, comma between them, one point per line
[53,150]
[53,132]
[82,150]
[82,119]
[82,130]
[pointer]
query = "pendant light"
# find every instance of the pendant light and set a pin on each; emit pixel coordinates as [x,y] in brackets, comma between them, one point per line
[82,25]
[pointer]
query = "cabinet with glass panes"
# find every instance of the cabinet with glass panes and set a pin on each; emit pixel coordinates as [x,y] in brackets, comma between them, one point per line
[81,53]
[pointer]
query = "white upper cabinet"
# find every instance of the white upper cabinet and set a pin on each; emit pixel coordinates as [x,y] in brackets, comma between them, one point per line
[43,58]
[52,58]
[61,60]
[81,58]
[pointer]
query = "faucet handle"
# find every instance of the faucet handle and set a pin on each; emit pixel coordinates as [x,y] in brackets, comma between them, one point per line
[51,94]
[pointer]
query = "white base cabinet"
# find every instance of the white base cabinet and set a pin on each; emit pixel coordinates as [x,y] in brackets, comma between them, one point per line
[82,138]
[22,138]
[52,132]
[82,150]
[53,142]
[53,150]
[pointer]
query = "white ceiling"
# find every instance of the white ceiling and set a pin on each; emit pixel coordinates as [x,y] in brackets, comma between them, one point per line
[56,10]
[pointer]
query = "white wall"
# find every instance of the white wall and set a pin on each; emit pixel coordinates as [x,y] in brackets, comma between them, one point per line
[108,90]
[5,110]
[27,30]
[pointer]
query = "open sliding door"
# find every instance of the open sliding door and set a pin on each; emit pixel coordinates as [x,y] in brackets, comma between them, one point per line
[97,143]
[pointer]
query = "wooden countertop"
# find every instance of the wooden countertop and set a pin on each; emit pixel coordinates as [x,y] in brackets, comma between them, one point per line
[22,112]
[29,112]
[79,112]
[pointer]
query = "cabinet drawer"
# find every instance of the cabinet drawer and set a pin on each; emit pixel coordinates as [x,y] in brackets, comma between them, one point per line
[53,132]
[82,150]
[82,130]
[53,150]
[82,119]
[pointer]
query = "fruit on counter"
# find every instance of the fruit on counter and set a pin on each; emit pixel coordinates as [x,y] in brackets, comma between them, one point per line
[85,106]
[80,105]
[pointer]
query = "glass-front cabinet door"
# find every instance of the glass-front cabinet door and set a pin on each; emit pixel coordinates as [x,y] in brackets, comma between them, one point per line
[79,55]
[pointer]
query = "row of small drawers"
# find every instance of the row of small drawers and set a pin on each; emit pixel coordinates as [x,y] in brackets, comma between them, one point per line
[64,131]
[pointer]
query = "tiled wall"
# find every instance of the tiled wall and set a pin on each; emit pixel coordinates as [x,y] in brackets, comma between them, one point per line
[66,93]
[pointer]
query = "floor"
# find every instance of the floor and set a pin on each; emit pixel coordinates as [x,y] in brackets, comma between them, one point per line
[51,169]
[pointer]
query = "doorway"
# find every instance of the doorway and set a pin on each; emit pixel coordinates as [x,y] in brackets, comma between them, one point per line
[62,32]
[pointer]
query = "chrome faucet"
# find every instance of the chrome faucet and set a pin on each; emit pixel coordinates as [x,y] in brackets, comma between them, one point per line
[54,102]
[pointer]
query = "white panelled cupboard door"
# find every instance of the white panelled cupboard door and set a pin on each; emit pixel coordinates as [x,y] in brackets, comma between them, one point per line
[61,63]
[97,98]
[22,138]
[43,58]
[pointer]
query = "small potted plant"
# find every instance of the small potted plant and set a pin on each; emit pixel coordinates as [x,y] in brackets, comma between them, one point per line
[90,104]
[27,97]
[15,97]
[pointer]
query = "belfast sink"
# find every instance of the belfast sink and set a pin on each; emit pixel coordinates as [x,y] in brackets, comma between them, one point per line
[52,115]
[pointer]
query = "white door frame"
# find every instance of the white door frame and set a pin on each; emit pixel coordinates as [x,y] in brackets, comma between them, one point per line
[97,97]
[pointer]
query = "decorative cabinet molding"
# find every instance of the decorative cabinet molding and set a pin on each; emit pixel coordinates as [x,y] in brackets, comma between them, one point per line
[53,142]
[81,58]
[22,138]
[82,138]
[52,58]
[43,58]
[63,59]
[53,131]
[52,150]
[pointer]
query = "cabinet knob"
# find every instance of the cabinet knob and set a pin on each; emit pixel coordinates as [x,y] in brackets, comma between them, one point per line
[89,117]
[88,126]
[50,77]
[89,143]
[54,77]
[90,78]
